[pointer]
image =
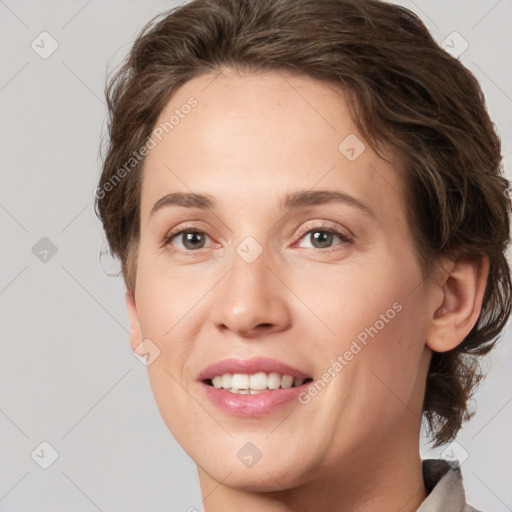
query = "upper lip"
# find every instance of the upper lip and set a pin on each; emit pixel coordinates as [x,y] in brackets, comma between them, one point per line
[250,366]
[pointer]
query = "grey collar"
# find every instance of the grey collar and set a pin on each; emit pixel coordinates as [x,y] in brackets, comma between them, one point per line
[443,482]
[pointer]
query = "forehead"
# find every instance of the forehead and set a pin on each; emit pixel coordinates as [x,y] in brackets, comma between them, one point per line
[262,136]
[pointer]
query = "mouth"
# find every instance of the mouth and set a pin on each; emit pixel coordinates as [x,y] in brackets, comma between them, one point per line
[252,387]
[255,383]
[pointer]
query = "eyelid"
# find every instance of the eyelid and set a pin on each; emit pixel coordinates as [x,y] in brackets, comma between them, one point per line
[346,240]
[179,230]
[325,226]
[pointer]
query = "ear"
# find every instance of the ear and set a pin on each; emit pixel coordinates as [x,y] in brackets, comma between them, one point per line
[135,332]
[462,285]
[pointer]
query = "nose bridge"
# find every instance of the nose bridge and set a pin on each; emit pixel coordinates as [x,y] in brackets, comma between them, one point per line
[251,298]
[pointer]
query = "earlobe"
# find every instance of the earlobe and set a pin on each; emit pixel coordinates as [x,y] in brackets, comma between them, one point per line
[135,331]
[463,289]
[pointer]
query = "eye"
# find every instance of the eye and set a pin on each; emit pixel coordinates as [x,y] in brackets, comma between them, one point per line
[191,238]
[323,237]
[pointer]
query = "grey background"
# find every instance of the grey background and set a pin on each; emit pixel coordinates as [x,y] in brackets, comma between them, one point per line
[67,374]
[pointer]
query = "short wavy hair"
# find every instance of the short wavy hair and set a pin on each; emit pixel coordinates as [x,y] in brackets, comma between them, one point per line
[406,95]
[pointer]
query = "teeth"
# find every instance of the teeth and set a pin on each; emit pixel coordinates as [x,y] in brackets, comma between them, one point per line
[258,381]
[217,381]
[245,384]
[226,380]
[286,381]
[274,380]
[240,381]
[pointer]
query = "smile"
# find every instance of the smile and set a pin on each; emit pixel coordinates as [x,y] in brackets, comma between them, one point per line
[260,382]
[252,387]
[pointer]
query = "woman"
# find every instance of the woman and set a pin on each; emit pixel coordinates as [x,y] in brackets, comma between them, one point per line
[307,202]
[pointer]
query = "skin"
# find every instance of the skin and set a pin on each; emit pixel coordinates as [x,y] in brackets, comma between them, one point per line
[354,447]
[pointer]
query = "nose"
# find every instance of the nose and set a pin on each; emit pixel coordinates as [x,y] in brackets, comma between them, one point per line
[252,300]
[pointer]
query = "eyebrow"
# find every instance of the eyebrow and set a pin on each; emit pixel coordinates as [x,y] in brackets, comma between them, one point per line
[290,201]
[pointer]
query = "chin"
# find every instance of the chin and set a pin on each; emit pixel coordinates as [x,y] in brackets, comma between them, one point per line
[263,478]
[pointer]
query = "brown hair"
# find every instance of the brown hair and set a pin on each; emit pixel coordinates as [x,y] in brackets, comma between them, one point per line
[405,92]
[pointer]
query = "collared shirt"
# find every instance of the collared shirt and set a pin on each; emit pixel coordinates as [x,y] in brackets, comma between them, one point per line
[443,482]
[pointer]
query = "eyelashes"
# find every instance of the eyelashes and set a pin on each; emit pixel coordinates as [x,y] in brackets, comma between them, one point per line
[181,231]
[195,235]
[333,232]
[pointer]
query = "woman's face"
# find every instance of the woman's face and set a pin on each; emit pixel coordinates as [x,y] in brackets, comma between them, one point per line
[302,256]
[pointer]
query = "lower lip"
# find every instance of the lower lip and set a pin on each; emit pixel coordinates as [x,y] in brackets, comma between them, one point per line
[252,405]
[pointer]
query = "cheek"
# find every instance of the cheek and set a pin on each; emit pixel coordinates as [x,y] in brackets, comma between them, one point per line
[165,299]
[353,299]
[376,317]
[393,355]
[165,309]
